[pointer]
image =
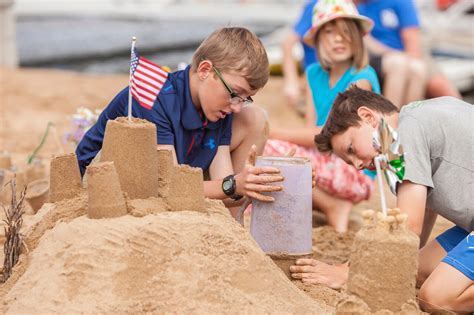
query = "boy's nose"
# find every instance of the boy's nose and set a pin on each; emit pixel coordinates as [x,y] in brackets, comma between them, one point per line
[236,108]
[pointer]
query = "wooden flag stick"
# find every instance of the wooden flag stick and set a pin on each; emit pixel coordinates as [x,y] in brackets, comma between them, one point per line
[134,40]
[380,182]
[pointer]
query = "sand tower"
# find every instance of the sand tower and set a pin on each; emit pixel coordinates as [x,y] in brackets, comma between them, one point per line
[105,195]
[65,178]
[384,262]
[131,145]
[165,170]
[186,191]
[5,160]
[37,193]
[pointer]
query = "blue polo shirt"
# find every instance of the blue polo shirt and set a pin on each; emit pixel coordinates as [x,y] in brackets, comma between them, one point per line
[177,121]
[390,18]
[303,24]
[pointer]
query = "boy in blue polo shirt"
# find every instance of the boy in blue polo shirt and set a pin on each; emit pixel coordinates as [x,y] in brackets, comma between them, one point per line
[202,116]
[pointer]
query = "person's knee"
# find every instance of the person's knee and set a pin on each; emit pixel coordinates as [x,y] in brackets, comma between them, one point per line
[255,120]
[429,297]
[432,297]
[395,63]
[417,69]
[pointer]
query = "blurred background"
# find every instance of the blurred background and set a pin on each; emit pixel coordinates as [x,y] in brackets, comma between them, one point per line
[93,36]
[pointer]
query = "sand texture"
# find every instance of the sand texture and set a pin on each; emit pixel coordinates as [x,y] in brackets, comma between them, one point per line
[131,145]
[383,264]
[65,178]
[105,195]
[169,262]
[37,193]
[186,191]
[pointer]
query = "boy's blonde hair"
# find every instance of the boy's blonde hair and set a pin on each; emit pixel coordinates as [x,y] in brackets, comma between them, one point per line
[354,36]
[235,50]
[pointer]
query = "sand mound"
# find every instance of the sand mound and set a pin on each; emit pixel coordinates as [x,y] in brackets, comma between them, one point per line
[164,262]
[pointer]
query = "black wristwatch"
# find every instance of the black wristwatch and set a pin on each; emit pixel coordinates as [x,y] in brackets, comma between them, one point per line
[228,187]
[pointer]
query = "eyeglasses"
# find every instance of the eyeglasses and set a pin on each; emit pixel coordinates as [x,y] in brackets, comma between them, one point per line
[234,97]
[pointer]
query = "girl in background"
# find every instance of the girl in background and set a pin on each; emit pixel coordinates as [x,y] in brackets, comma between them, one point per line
[337,33]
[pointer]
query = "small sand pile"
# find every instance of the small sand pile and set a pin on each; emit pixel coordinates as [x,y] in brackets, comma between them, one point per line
[168,262]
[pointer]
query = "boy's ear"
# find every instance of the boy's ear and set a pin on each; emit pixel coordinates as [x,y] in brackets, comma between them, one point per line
[204,68]
[368,116]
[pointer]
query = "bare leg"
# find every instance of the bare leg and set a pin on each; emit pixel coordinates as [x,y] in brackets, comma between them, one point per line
[395,72]
[417,76]
[318,272]
[447,288]
[439,85]
[249,127]
[429,258]
[336,210]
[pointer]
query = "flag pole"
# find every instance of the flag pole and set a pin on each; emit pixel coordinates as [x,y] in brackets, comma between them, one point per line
[134,40]
[380,182]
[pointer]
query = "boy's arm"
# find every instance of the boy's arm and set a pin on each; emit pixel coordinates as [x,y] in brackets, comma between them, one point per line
[376,47]
[411,199]
[250,182]
[220,167]
[412,41]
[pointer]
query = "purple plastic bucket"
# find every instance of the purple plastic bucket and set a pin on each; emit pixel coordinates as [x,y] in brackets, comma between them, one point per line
[285,225]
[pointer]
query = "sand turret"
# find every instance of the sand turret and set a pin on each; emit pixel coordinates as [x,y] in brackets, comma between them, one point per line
[105,195]
[165,170]
[186,191]
[384,262]
[131,145]
[65,180]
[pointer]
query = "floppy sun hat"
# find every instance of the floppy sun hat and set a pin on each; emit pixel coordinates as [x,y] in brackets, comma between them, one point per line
[327,10]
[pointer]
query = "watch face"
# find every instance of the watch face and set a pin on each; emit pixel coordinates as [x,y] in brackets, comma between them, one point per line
[226,185]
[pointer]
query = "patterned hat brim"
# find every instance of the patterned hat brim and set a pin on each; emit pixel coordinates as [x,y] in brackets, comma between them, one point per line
[367,25]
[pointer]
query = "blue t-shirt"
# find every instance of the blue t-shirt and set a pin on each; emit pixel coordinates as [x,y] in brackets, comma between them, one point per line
[324,95]
[301,27]
[390,18]
[177,121]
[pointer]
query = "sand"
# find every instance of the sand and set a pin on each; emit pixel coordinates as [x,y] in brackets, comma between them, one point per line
[196,261]
[130,144]
[164,262]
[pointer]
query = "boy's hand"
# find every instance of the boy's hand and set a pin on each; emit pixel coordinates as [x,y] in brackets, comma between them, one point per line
[253,180]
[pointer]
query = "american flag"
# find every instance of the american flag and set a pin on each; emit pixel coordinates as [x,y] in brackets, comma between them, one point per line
[147,79]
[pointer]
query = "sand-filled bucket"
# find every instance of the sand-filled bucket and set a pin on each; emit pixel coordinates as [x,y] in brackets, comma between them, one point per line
[37,193]
[285,225]
[131,145]
[65,178]
[104,192]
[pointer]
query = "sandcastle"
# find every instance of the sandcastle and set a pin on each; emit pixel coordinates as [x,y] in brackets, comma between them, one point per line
[105,195]
[137,169]
[65,178]
[131,145]
[384,262]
